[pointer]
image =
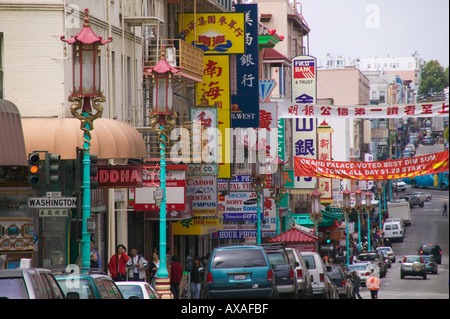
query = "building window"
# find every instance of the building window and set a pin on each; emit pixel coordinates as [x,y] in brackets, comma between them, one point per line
[374,95]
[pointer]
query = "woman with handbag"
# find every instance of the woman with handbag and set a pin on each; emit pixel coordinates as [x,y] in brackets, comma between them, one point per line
[117,264]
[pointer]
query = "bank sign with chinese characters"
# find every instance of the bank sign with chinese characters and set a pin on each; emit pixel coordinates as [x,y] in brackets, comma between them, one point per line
[215,33]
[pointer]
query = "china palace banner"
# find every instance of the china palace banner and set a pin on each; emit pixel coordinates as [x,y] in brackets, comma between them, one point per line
[381,170]
[431,109]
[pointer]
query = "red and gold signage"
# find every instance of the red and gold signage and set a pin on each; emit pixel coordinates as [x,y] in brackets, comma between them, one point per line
[381,170]
[119,176]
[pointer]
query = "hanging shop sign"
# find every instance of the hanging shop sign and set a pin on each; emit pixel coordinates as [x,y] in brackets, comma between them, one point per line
[216,89]
[380,170]
[304,143]
[245,104]
[215,33]
[306,110]
[203,192]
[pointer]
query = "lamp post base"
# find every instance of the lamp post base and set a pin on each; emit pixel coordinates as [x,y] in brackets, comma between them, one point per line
[163,288]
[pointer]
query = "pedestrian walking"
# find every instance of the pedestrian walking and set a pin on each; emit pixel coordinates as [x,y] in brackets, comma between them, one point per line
[117,264]
[154,268]
[99,260]
[176,273]
[373,283]
[136,266]
[444,209]
[356,283]
[196,279]
[94,261]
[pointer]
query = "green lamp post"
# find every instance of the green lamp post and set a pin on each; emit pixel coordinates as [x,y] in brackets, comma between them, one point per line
[347,209]
[358,207]
[86,89]
[162,120]
[368,197]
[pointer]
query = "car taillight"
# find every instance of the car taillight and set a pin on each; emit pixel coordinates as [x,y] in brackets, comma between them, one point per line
[269,275]
[299,273]
[343,283]
[322,277]
[209,278]
[421,252]
[367,274]
[291,273]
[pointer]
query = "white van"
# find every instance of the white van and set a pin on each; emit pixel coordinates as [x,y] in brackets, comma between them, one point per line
[318,272]
[393,231]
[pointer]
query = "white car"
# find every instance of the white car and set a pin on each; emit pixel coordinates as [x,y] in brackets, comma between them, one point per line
[362,269]
[423,196]
[137,290]
[399,185]
[389,252]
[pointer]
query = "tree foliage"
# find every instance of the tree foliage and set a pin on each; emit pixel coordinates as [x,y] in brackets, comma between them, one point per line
[434,78]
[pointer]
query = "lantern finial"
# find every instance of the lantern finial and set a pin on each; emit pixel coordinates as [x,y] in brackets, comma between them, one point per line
[86,18]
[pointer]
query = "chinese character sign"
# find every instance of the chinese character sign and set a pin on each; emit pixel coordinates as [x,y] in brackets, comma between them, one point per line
[324,153]
[304,81]
[215,33]
[216,89]
[304,143]
[245,104]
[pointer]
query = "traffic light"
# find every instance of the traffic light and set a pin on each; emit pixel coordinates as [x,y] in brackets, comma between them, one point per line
[52,168]
[34,169]
[328,234]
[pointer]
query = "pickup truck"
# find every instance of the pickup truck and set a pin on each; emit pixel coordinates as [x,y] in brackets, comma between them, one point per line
[285,275]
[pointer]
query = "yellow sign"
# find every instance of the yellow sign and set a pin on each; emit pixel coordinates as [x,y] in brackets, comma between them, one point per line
[216,88]
[215,33]
[196,227]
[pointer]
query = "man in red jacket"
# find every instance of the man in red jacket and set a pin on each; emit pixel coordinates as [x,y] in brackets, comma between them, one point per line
[176,272]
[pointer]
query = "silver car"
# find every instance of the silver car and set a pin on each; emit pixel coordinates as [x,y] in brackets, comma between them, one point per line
[423,196]
[413,265]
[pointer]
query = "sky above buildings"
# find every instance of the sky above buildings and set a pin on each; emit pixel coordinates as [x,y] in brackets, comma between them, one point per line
[378,28]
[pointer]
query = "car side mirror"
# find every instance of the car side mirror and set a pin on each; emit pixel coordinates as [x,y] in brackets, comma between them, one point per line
[73,295]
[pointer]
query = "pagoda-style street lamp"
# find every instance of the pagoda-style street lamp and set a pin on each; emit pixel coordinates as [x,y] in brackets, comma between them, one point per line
[86,87]
[162,120]
[368,197]
[277,189]
[347,209]
[258,183]
[315,213]
[358,207]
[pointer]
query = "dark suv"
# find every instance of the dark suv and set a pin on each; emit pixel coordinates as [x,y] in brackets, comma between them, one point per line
[431,249]
[284,270]
[29,283]
[414,201]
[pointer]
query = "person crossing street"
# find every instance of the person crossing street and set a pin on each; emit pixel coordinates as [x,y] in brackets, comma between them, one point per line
[373,283]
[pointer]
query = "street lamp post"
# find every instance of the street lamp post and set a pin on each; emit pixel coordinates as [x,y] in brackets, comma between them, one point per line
[86,89]
[368,197]
[277,189]
[162,120]
[316,213]
[358,207]
[347,209]
[379,191]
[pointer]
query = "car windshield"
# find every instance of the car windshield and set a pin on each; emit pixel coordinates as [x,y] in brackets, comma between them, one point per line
[412,259]
[428,248]
[238,258]
[13,288]
[131,290]
[276,258]
[81,286]
[426,258]
[385,249]
[335,273]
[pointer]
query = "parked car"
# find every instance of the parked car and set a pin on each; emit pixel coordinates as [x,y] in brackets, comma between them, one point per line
[399,185]
[29,283]
[363,270]
[375,257]
[88,286]
[397,219]
[431,249]
[428,140]
[341,279]
[285,276]
[430,264]
[413,265]
[137,290]
[303,277]
[387,260]
[317,271]
[411,147]
[389,251]
[239,272]
[407,154]
[423,196]
[414,201]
